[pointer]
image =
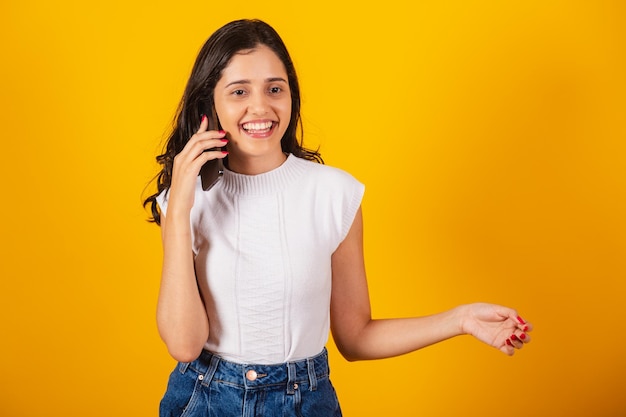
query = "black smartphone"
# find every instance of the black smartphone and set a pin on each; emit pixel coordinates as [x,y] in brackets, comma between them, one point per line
[212,171]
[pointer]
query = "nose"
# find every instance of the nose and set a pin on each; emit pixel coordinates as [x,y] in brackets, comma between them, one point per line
[258,104]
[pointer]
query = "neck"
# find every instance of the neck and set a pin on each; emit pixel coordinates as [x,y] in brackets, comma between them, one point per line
[255,165]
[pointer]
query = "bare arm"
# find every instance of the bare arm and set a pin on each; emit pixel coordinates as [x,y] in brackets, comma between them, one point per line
[358,336]
[181,317]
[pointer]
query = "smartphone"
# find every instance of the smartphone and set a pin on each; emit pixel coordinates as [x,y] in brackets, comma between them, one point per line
[212,171]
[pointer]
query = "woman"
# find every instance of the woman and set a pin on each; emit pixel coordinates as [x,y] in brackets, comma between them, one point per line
[258,267]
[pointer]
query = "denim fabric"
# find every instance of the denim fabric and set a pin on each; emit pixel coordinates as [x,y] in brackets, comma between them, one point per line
[213,387]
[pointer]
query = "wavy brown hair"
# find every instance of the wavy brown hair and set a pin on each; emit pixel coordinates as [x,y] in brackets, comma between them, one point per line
[197,98]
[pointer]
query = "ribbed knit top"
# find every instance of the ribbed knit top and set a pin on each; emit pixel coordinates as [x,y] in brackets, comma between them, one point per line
[263,246]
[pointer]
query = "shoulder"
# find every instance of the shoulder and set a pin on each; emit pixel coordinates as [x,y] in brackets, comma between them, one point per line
[329,185]
[326,173]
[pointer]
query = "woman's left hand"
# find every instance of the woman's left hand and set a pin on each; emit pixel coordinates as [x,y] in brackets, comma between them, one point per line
[498,326]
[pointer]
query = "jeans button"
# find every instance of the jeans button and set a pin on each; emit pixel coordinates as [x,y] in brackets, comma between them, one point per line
[251,375]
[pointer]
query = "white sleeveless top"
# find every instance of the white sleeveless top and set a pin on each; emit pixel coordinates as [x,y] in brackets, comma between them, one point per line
[262,247]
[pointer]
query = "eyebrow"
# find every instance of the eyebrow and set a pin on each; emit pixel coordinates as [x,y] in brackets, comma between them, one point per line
[267,80]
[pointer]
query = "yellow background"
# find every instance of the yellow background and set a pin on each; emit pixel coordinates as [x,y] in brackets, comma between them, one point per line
[490,136]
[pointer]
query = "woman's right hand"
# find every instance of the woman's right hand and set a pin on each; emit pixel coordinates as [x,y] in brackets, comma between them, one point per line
[181,317]
[187,166]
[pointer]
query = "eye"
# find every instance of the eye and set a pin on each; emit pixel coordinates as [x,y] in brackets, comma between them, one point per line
[275,90]
[238,92]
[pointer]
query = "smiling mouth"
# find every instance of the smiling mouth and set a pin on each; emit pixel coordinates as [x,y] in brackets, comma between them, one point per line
[257,128]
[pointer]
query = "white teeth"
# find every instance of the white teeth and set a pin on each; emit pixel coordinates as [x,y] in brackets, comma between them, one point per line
[257,126]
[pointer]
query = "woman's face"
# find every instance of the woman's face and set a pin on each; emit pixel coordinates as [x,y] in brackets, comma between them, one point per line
[253,104]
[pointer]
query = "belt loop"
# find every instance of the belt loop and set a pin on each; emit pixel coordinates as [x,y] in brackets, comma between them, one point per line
[208,375]
[310,367]
[182,367]
[291,378]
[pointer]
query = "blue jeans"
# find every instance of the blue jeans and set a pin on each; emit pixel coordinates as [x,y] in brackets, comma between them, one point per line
[213,387]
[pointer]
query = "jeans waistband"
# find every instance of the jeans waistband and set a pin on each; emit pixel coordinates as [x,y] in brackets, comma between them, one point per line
[211,367]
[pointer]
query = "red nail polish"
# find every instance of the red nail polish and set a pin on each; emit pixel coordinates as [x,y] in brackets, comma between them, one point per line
[514,338]
[221,132]
[525,328]
[508,342]
[224,140]
[203,117]
[225,152]
[520,320]
[522,336]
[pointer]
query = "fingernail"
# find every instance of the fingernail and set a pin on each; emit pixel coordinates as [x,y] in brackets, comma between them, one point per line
[221,132]
[224,140]
[203,117]
[520,320]
[522,336]
[225,152]
[514,338]
[525,328]
[508,342]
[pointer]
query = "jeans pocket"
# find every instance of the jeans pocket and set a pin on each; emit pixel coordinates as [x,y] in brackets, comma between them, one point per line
[322,402]
[182,395]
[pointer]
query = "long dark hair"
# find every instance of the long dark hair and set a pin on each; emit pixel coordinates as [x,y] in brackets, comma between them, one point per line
[198,96]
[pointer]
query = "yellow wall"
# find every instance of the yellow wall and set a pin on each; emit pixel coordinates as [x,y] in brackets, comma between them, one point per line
[490,136]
